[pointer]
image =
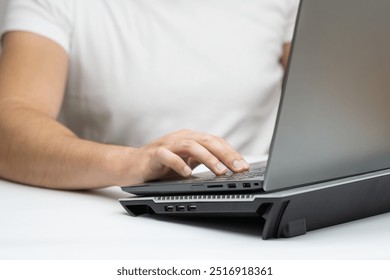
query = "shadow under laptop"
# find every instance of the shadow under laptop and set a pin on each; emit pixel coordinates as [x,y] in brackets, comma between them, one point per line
[252,226]
[246,225]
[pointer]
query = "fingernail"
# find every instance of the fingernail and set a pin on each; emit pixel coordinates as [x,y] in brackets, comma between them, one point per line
[246,164]
[187,171]
[238,164]
[221,167]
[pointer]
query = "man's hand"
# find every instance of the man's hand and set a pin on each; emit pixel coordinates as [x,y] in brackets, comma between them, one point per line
[180,152]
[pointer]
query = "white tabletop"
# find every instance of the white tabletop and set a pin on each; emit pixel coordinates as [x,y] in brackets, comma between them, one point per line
[49,224]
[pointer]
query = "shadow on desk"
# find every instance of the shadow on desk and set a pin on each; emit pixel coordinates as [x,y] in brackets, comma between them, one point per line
[250,226]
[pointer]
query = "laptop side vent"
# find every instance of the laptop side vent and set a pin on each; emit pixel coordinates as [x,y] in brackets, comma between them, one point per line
[243,197]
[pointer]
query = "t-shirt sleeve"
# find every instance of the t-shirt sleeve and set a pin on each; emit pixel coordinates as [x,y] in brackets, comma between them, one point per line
[291,17]
[48,18]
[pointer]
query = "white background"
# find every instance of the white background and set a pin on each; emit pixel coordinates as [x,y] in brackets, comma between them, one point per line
[2,9]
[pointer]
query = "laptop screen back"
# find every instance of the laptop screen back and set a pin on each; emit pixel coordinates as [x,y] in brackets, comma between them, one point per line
[334,119]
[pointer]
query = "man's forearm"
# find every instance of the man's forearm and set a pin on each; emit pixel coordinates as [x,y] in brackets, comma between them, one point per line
[37,150]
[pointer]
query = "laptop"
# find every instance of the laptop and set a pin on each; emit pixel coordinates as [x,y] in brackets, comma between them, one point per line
[329,160]
[334,117]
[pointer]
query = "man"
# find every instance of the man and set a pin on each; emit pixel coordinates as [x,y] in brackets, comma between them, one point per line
[86,87]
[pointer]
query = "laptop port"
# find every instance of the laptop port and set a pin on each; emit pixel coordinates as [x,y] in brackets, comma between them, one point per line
[246,185]
[169,208]
[232,186]
[180,208]
[215,186]
[192,207]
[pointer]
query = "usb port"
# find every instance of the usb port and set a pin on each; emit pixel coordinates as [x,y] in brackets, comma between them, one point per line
[169,208]
[192,207]
[232,186]
[180,208]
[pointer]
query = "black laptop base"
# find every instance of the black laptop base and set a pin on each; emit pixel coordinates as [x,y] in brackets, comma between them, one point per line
[286,213]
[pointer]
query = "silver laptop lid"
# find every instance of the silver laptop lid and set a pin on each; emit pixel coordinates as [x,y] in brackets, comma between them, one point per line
[334,119]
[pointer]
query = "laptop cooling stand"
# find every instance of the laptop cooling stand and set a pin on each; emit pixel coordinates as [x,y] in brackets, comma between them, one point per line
[286,213]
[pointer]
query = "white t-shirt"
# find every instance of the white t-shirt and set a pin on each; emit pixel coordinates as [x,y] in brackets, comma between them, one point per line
[140,69]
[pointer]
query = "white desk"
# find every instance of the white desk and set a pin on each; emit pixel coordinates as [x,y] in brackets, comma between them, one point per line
[48,224]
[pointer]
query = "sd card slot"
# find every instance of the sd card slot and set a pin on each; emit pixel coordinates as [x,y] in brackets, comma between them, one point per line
[214,186]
